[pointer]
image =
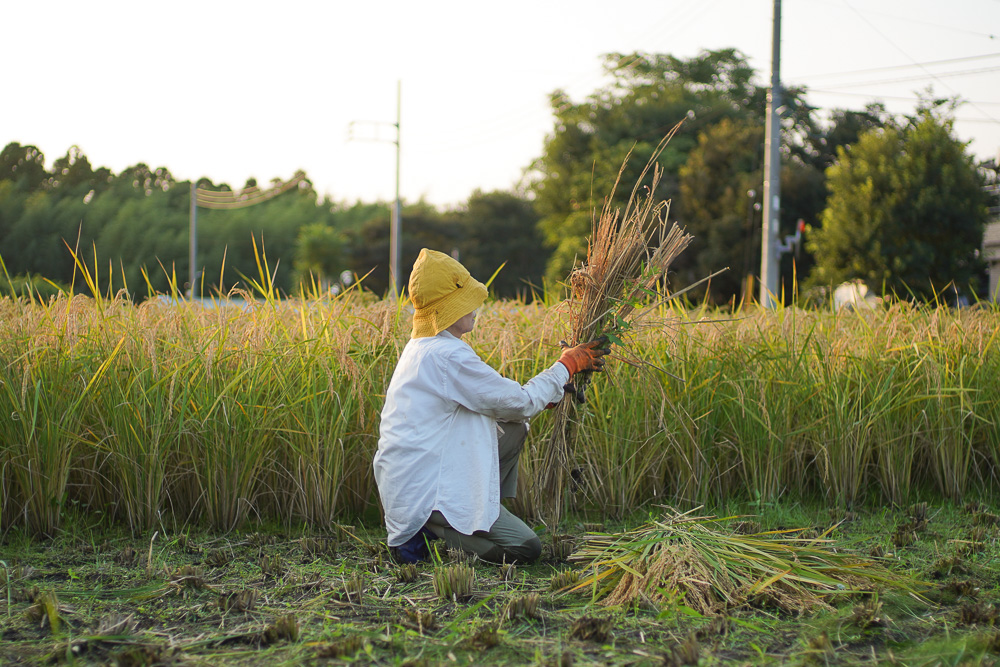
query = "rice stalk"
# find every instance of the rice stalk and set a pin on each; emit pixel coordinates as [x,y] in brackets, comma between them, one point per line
[715,570]
[628,255]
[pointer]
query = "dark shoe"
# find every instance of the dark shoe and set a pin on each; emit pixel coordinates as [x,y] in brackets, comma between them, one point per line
[414,550]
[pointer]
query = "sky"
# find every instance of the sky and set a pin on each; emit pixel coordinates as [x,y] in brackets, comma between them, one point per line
[235,90]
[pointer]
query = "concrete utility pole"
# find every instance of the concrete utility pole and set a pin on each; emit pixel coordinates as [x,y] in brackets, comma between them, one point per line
[769,266]
[396,213]
[193,238]
[396,228]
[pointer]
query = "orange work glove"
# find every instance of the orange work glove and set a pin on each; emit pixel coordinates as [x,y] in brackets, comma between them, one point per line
[586,357]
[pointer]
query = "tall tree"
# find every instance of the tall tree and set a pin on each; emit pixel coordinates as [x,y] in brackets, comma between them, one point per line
[906,210]
[501,229]
[648,95]
[24,166]
[717,207]
[319,255]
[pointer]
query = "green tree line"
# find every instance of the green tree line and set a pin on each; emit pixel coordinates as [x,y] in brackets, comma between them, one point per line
[897,202]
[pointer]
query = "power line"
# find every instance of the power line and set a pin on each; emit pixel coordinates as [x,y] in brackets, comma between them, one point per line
[900,98]
[928,75]
[896,67]
[908,56]
[937,26]
[221,199]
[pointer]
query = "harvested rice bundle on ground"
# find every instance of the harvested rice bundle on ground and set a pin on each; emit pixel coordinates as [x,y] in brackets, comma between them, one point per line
[702,562]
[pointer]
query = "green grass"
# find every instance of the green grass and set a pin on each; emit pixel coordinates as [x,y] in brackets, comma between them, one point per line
[182,596]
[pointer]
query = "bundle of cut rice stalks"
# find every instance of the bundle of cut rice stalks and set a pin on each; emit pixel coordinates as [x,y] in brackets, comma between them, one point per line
[703,564]
[622,280]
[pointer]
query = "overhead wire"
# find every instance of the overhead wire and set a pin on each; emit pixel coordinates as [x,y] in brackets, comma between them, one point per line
[922,77]
[900,98]
[937,26]
[233,199]
[908,56]
[888,68]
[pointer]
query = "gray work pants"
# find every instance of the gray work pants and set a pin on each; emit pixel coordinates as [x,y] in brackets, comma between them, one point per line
[508,540]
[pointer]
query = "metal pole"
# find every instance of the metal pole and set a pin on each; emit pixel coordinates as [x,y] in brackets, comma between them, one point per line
[769,266]
[193,237]
[395,229]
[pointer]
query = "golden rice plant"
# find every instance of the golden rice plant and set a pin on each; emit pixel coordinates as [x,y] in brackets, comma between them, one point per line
[628,257]
[176,413]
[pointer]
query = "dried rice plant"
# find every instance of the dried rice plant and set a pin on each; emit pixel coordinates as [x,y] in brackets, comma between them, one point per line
[628,257]
[713,570]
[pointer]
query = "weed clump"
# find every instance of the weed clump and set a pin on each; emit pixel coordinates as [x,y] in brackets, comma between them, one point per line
[217,558]
[186,579]
[869,615]
[687,652]
[524,606]
[284,628]
[485,637]
[563,580]
[406,573]
[116,625]
[591,628]
[45,611]
[419,620]
[562,547]
[508,572]
[346,647]
[244,600]
[977,613]
[272,565]
[354,588]
[453,582]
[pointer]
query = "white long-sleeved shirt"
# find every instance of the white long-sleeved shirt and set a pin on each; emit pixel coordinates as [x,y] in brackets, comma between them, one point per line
[437,446]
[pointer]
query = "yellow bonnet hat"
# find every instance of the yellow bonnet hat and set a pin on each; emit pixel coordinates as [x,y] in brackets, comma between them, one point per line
[442,292]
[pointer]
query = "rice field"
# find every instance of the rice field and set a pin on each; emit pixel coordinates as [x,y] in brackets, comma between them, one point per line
[176,414]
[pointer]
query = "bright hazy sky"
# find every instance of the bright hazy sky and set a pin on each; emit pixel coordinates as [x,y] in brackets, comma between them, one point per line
[232,90]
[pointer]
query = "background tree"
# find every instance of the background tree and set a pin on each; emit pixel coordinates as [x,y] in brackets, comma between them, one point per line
[319,255]
[715,206]
[423,227]
[501,228]
[23,166]
[648,95]
[906,210]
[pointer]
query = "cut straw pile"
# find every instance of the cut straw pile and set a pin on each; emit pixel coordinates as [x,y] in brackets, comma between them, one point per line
[704,565]
[628,257]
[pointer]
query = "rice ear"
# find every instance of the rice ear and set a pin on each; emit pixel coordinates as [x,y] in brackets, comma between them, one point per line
[627,255]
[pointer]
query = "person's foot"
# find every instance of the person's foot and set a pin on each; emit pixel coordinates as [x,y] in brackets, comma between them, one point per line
[414,550]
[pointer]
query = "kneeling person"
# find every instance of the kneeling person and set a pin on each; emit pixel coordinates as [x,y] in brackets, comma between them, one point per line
[453,428]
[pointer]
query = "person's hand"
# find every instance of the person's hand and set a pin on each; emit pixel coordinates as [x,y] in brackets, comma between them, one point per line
[585,357]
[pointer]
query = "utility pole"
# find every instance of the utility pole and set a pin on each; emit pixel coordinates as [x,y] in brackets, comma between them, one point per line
[396,213]
[193,238]
[396,230]
[769,266]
